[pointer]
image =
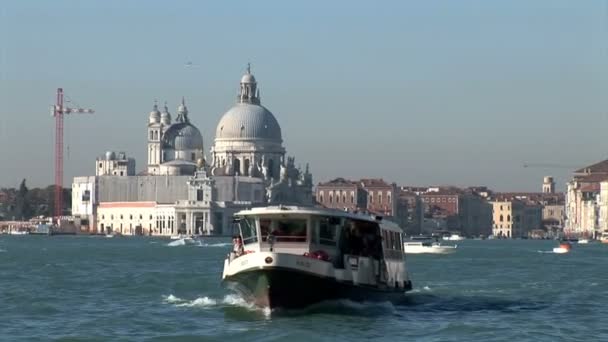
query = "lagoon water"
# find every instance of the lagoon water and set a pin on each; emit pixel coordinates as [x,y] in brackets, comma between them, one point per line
[96,288]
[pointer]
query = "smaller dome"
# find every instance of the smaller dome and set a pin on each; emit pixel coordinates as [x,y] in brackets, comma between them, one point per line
[248,78]
[110,155]
[183,136]
[155,115]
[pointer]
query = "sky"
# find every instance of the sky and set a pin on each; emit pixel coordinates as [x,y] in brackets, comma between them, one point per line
[416,92]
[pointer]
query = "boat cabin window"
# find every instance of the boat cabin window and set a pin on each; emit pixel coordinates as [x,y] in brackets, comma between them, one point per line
[248,232]
[393,246]
[289,230]
[328,230]
[284,229]
[362,238]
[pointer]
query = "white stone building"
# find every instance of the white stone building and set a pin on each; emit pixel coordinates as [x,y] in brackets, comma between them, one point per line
[586,201]
[184,194]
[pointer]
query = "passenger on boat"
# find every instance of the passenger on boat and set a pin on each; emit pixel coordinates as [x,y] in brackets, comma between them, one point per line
[238,248]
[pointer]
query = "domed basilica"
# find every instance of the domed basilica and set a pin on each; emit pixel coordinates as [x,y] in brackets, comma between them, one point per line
[178,192]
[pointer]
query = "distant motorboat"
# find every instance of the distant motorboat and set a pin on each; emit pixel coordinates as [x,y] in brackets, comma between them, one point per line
[427,247]
[564,247]
[19,232]
[583,241]
[453,237]
[604,237]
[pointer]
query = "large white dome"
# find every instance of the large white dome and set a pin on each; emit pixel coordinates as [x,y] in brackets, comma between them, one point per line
[248,121]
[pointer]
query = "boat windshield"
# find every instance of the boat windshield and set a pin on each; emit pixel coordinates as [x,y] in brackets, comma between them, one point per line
[247,225]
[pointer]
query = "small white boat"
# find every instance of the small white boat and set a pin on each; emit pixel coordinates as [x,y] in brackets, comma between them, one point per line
[453,237]
[422,247]
[583,241]
[109,235]
[564,247]
[19,232]
[604,237]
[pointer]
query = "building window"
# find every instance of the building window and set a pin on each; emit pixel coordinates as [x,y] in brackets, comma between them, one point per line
[121,173]
[100,165]
[352,198]
[121,217]
[380,198]
[111,217]
[330,198]
[508,218]
[150,217]
[199,195]
[193,156]
[140,216]
[343,198]
[501,219]
[151,135]
[321,198]
[130,217]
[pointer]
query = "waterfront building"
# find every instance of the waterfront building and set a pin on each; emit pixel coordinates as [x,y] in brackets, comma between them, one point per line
[341,193]
[514,217]
[179,192]
[584,201]
[460,210]
[371,194]
[114,164]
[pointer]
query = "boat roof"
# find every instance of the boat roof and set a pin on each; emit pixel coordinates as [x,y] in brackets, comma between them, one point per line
[296,210]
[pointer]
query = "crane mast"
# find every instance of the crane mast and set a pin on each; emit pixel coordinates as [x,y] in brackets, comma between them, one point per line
[59,110]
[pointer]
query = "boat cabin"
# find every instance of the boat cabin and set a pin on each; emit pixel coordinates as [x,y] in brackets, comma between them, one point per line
[323,234]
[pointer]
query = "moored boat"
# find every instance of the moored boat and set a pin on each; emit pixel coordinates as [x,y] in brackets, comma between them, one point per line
[293,257]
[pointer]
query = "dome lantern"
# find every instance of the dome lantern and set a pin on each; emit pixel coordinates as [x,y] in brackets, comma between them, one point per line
[154,114]
[165,117]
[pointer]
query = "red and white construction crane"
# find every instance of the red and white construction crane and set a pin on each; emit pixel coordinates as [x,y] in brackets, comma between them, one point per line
[58,112]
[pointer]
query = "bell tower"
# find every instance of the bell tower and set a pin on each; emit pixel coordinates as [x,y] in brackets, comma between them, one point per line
[154,138]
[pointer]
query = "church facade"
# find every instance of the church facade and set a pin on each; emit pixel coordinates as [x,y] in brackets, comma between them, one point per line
[182,192]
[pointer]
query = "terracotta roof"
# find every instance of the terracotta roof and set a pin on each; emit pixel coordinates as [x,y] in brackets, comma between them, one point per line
[590,187]
[601,167]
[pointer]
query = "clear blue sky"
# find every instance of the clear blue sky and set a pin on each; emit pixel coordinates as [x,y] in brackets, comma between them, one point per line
[417,92]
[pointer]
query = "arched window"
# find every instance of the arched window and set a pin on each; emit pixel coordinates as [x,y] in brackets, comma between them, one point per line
[321,198]
[237,166]
[501,218]
[343,198]
[330,198]
[246,167]
[271,168]
[508,218]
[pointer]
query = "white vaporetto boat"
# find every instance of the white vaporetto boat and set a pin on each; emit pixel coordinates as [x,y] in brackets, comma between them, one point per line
[427,246]
[293,257]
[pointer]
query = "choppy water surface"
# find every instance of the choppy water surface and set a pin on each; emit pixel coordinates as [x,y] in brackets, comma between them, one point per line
[86,288]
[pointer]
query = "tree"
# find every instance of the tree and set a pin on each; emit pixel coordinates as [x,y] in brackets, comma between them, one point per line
[23,209]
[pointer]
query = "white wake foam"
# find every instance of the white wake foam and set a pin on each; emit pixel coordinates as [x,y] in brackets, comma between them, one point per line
[206,302]
[180,242]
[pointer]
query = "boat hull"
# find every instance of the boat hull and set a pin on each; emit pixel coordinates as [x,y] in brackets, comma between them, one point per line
[429,250]
[292,289]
